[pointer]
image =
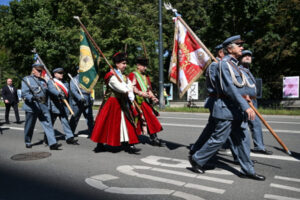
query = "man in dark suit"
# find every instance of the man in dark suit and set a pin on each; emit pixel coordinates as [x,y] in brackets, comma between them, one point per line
[10,97]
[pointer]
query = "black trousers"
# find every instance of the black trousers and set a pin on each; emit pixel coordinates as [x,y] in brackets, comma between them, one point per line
[7,109]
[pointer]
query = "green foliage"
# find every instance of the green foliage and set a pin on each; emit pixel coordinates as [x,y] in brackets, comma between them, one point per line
[270,29]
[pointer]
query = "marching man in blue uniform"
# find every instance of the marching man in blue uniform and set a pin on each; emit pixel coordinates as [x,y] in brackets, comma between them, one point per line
[210,82]
[81,102]
[57,107]
[230,113]
[255,125]
[35,95]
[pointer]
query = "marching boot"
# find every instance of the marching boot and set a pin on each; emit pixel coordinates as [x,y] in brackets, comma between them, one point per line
[154,141]
[55,146]
[99,148]
[131,149]
[71,140]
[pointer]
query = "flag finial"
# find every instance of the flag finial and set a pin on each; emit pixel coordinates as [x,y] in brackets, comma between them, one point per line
[169,6]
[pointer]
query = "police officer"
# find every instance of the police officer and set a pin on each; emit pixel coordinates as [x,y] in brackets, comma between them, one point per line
[35,95]
[210,86]
[81,102]
[230,112]
[255,125]
[57,106]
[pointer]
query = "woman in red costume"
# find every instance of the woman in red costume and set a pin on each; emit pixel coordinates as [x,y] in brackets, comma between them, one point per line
[114,123]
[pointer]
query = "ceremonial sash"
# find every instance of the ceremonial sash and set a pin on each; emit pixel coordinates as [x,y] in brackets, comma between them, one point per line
[142,81]
[62,86]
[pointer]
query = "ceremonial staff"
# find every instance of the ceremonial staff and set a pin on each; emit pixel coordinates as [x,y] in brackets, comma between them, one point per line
[269,128]
[168,6]
[99,50]
[51,78]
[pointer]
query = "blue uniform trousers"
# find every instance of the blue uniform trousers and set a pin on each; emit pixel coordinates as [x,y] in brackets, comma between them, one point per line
[205,135]
[45,119]
[256,131]
[238,132]
[88,115]
[65,124]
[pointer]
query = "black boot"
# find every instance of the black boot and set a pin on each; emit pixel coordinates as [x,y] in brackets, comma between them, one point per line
[99,148]
[71,140]
[154,141]
[55,146]
[131,149]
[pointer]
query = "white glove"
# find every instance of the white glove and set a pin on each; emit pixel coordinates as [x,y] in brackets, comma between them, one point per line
[131,96]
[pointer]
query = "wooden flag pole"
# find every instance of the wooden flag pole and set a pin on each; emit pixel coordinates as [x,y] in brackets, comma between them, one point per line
[99,50]
[269,128]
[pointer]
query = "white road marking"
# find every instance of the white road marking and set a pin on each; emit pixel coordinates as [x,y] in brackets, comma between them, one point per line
[202,126]
[205,118]
[97,182]
[287,178]
[83,136]
[178,163]
[285,187]
[277,197]
[203,177]
[275,157]
[14,128]
[129,170]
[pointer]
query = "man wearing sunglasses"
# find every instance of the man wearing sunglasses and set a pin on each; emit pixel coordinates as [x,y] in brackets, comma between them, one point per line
[35,95]
[57,106]
[255,125]
[230,113]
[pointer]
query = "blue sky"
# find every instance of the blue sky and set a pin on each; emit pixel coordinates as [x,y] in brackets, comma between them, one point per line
[4,2]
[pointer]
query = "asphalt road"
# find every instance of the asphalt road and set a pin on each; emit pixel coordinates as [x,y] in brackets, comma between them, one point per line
[77,172]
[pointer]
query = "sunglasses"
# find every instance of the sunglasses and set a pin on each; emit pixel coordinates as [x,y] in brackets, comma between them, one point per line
[239,44]
[60,72]
[39,70]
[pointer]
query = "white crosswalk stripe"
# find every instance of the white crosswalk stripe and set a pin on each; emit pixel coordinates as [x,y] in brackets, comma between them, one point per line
[277,197]
[285,187]
[287,178]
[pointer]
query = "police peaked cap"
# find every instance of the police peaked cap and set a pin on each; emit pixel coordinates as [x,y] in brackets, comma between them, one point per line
[119,57]
[37,65]
[142,61]
[233,39]
[220,46]
[58,70]
[246,52]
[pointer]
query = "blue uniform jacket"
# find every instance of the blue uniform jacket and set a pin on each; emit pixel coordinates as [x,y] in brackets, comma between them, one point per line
[250,91]
[55,104]
[210,85]
[40,89]
[75,95]
[230,104]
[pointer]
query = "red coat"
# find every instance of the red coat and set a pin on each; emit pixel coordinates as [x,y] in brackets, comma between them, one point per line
[108,122]
[153,124]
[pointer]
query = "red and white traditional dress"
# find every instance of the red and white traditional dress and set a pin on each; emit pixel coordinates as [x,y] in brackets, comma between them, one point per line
[141,84]
[115,123]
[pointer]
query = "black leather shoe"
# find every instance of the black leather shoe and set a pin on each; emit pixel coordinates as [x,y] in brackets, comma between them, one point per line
[195,167]
[28,146]
[253,176]
[99,148]
[157,142]
[55,146]
[18,122]
[132,149]
[71,140]
[7,122]
[266,152]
